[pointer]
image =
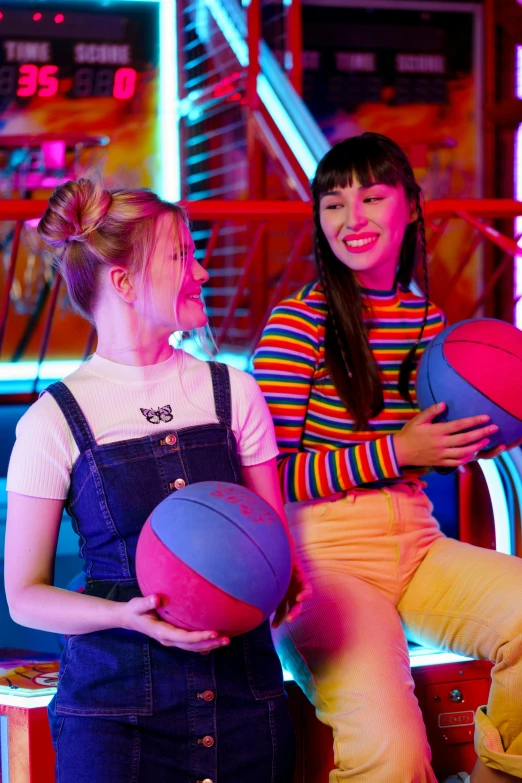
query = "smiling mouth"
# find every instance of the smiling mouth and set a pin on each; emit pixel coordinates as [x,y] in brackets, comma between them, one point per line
[359,243]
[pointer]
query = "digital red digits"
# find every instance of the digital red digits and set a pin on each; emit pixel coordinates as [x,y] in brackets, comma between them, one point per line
[124,83]
[33,80]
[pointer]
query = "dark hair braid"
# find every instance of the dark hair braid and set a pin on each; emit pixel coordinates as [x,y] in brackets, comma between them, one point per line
[409,362]
[331,315]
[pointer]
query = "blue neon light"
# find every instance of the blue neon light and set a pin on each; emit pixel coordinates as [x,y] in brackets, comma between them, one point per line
[170,161]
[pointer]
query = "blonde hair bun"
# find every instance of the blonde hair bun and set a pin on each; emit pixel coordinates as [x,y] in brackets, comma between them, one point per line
[76,209]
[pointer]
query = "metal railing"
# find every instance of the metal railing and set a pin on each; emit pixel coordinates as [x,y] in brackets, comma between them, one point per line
[257,252]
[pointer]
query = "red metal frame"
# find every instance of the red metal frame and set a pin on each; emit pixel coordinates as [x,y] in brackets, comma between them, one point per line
[261,218]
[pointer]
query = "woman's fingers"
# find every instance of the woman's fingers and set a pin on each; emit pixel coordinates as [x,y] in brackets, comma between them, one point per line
[196,641]
[464,453]
[148,622]
[427,415]
[459,425]
[474,436]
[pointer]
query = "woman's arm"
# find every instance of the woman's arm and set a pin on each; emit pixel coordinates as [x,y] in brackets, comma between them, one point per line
[30,550]
[284,367]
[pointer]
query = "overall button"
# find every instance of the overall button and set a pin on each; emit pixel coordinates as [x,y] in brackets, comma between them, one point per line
[207,695]
[171,440]
[207,741]
[178,484]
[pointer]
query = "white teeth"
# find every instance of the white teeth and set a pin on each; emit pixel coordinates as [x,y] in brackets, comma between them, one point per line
[359,242]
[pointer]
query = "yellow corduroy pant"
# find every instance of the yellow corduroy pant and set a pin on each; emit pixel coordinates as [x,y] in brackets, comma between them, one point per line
[382,573]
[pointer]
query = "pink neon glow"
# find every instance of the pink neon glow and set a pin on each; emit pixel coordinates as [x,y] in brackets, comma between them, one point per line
[124,83]
[1,15]
[518,189]
[53,154]
[59,18]
[48,81]
[37,16]
[27,80]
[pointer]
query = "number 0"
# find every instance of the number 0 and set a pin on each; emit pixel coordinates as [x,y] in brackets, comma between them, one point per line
[124,83]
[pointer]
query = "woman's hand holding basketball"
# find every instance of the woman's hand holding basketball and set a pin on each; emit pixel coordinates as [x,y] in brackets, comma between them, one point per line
[299,590]
[442,444]
[139,614]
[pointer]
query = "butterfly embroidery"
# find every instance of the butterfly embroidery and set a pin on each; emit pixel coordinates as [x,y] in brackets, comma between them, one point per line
[155,417]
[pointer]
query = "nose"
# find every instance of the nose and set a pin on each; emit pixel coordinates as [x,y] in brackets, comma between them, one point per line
[199,273]
[354,217]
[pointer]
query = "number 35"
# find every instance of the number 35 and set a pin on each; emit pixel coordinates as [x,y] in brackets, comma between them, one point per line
[33,79]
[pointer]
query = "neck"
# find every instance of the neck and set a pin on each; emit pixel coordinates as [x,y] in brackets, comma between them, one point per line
[377,279]
[123,339]
[136,356]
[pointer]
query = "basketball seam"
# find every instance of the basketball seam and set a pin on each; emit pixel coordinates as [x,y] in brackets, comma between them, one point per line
[205,579]
[203,505]
[444,413]
[488,345]
[472,385]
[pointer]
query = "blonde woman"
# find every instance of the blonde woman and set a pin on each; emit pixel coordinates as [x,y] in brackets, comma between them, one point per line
[139,699]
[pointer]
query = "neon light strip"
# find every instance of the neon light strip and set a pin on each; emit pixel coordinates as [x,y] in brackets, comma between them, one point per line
[284,122]
[53,370]
[518,188]
[420,656]
[274,106]
[503,537]
[28,371]
[4,748]
[26,702]
[234,38]
[169,159]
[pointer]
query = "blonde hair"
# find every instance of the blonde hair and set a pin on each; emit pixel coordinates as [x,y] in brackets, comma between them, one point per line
[91,228]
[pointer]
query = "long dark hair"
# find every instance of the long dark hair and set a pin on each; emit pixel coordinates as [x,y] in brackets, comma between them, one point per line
[367,158]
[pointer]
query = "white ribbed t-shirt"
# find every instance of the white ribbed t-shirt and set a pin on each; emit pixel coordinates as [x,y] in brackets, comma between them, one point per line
[112,396]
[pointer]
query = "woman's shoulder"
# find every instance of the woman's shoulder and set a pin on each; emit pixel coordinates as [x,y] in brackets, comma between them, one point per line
[309,296]
[306,307]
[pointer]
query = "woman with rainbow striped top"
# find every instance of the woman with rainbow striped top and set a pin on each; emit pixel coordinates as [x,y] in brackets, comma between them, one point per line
[336,363]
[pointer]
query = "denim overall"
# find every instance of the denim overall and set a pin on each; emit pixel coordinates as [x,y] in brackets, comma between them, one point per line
[128,709]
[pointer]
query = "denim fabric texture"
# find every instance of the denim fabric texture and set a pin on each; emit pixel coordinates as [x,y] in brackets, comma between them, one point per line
[127,709]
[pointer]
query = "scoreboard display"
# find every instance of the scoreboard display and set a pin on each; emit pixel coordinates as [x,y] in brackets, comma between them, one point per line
[84,67]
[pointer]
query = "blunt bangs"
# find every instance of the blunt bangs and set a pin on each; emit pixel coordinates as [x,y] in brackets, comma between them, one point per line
[367,158]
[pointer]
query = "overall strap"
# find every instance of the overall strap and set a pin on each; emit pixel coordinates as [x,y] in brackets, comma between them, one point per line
[222,394]
[74,417]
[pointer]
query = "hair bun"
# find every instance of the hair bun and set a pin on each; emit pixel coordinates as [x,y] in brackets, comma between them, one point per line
[76,209]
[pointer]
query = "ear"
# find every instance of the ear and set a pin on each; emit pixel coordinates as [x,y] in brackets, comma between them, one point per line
[414,210]
[120,282]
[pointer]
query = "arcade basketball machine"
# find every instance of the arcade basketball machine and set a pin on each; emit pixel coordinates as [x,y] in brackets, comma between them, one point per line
[84,87]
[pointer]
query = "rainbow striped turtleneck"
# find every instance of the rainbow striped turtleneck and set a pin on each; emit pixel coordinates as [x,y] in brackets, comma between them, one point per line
[320,453]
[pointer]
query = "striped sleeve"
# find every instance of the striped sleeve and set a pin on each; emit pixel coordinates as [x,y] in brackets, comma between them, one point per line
[284,366]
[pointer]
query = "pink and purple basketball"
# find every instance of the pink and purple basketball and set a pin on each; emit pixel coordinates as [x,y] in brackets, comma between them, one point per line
[475,367]
[218,555]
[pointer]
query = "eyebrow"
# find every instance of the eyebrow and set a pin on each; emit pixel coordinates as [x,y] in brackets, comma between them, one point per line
[361,187]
